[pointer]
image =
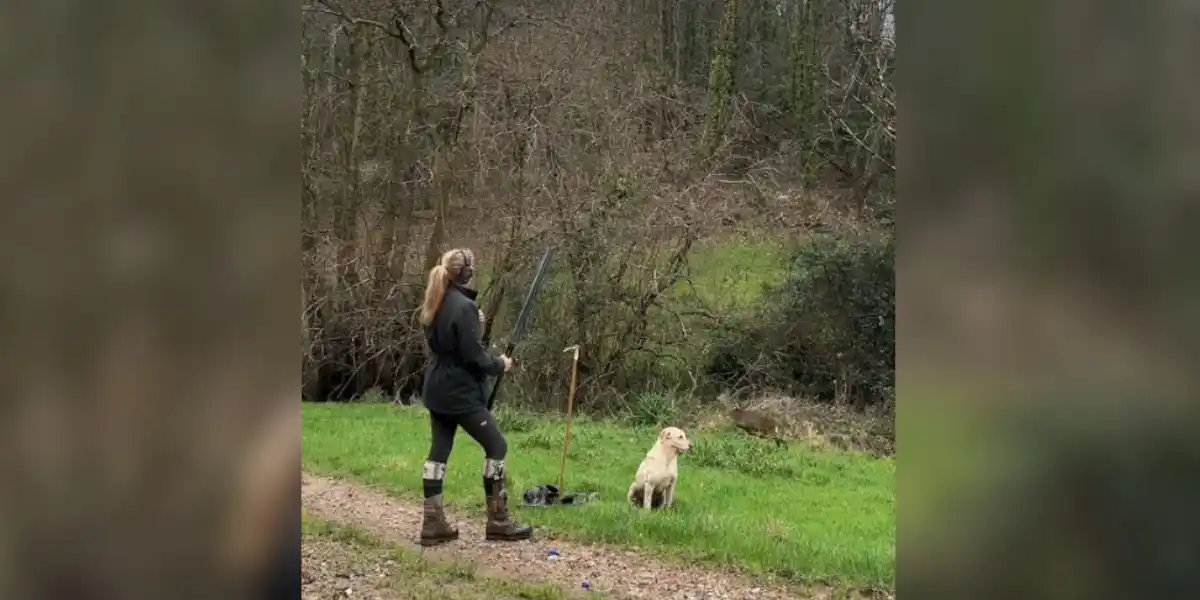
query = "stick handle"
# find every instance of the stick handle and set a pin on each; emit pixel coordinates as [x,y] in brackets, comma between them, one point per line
[562,472]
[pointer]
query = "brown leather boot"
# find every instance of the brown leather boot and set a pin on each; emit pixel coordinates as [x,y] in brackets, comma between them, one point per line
[434,528]
[499,526]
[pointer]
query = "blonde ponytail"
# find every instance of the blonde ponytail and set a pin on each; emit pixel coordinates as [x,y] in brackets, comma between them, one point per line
[435,293]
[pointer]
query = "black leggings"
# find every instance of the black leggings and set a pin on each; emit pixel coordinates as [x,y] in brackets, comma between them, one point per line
[481,426]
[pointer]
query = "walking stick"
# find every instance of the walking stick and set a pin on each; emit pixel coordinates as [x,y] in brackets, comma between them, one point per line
[562,473]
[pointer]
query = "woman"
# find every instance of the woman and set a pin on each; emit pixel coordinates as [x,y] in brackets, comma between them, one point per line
[456,394]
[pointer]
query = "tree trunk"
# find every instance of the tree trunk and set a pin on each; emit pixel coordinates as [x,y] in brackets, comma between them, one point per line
[434,249]
[387,243]
[803,53]
[403,201]
[667,10]
[676,43]
[721,80]
[348,210]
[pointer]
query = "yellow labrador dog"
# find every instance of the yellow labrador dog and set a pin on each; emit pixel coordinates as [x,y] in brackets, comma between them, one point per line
[654,484]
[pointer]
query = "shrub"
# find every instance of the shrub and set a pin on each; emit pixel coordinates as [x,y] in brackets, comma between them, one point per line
[654,409]
[828,332]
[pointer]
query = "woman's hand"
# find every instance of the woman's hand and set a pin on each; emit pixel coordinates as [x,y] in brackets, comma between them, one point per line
[482,319]
[508,362]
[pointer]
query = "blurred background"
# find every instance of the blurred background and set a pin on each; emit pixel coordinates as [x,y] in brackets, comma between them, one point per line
[148,273]
[1047,300]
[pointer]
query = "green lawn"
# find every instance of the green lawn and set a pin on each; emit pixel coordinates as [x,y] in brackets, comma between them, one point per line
[732,272]
[805,515]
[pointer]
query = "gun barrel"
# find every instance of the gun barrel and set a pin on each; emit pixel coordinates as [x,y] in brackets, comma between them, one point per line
[522,319]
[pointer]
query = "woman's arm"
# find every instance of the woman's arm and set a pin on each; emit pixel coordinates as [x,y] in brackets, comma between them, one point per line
[470,349]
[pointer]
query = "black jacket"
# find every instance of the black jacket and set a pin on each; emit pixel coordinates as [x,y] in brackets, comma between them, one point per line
[456,378]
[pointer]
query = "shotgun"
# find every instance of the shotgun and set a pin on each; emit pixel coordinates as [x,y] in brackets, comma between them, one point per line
[523,319]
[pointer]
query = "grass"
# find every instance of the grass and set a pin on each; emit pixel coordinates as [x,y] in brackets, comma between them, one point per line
[810,517]
[412,577]
[733,272]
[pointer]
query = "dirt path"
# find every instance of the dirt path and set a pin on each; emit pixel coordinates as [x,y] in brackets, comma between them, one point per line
[618,573]
[338,565]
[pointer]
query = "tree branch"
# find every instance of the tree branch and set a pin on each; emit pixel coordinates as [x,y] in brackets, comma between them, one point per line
[329,8]
[409,40]
[439,16]
[399,29]
[485,21]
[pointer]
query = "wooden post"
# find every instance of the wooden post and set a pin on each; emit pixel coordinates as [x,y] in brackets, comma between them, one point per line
[562,473]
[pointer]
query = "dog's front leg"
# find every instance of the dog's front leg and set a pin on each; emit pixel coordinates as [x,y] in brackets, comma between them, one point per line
[647,495]
[669,495]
